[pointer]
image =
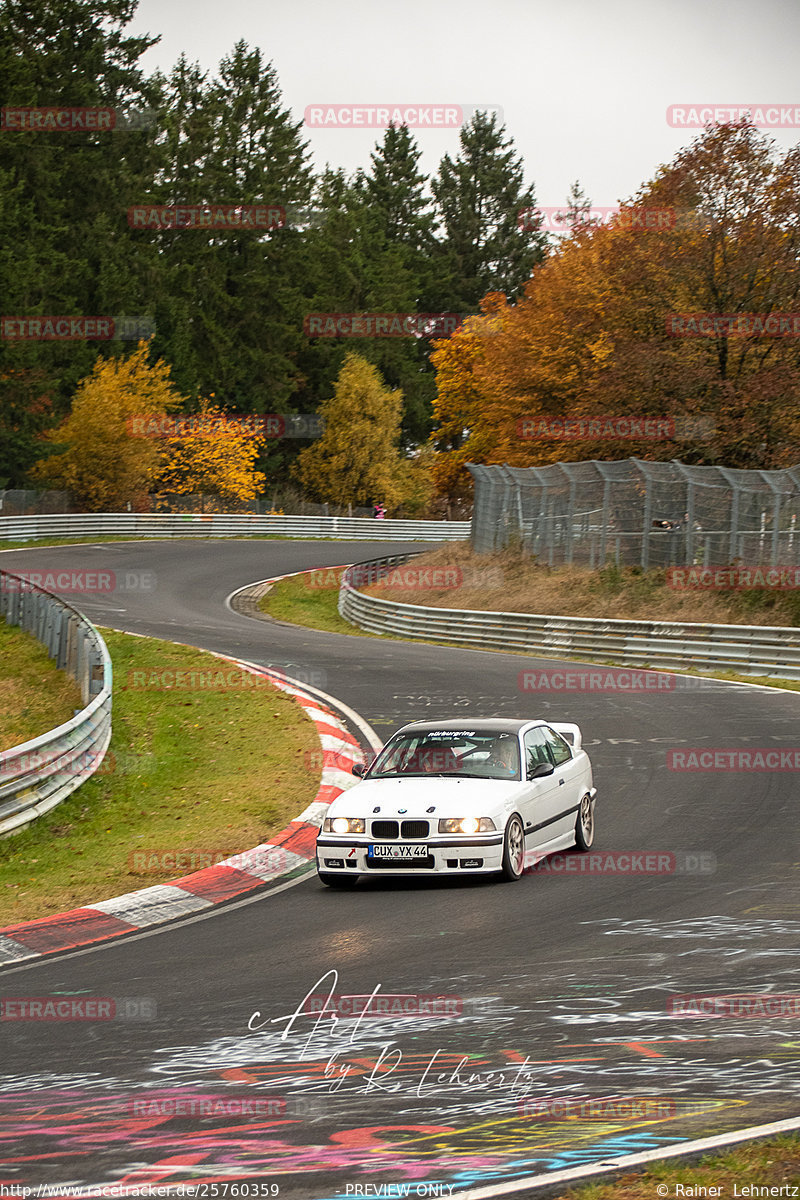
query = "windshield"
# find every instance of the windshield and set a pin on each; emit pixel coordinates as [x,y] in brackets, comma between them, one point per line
[484,754]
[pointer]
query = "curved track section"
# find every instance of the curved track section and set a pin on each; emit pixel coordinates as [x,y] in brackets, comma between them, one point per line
[556,1041]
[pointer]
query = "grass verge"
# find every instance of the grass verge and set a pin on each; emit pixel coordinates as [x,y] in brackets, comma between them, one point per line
[774,1163]
[201,765]
[34,695]
[301,602]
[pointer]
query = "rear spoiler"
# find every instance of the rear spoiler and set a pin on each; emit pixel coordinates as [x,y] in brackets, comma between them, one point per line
[569,731]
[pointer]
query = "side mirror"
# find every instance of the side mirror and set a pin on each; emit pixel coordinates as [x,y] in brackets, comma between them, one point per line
[360,769]
[540,770]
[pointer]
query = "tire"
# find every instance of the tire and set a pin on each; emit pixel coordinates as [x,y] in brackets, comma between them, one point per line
[333,880]
[584,825]
[513,849]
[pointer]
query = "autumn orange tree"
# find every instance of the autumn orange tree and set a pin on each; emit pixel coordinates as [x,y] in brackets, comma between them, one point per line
[94,455]
[717,231]
[214,456]
[463,434]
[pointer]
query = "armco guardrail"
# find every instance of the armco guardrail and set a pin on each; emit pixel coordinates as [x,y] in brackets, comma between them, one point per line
[144,525]
[37,775]
[745,649]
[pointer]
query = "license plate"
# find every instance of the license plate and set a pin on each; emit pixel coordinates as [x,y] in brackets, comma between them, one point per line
[393,850]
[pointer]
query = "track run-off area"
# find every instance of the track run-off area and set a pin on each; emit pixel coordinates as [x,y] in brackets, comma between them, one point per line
[567,1032]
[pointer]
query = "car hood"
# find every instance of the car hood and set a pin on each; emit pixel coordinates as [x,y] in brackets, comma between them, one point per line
[456,797]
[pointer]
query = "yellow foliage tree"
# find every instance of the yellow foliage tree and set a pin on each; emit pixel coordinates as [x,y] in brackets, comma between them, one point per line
[357,461]
[216,457]
[415,478]
[104,466]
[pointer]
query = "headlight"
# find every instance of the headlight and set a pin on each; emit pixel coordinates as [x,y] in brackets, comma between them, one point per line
[467,825]
[343,825]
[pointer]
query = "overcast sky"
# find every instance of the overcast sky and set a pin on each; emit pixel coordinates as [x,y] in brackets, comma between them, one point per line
[584,85]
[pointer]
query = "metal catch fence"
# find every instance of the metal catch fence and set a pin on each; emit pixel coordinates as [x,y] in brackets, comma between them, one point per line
[634,512]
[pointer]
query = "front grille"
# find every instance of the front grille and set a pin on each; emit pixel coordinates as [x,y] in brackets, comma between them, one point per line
[414,829]
[395,864]
[388,830]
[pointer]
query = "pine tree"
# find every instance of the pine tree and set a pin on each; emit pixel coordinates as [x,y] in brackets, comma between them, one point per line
[578,206]
[479,196]
[372,254]
[395,192]
[64,195]
[400,269]
[234,307]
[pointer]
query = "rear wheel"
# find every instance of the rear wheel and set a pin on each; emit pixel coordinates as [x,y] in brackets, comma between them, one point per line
[584,826]
[513,849]
[331,879]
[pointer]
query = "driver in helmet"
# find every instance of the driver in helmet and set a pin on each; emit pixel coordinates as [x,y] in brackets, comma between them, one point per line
[503,754]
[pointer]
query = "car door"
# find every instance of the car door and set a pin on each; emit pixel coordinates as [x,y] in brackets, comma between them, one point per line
[543,816]
[569,775]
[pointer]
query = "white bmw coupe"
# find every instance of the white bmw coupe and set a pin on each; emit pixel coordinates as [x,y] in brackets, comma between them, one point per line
[461,797]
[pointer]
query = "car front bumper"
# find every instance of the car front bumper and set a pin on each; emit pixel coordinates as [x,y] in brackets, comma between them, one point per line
[465,856]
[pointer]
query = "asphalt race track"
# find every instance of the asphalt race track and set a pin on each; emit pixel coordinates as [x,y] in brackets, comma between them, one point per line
[560,985]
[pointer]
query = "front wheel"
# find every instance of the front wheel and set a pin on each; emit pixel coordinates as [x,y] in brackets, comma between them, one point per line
[331,879]
[584,826]
[513,850]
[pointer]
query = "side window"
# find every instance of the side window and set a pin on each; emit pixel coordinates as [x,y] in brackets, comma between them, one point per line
[535,749]
[560,751]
